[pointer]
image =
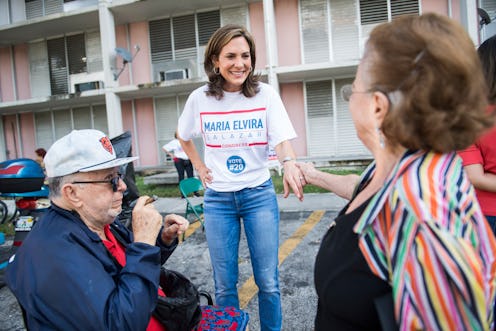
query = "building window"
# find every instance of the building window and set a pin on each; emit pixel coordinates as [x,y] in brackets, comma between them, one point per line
[208,22]
[315,30]
[62,65]
[160,40]
[66,56]
[57,64]
[329,30]
[52,125]
[378,11]
[177,43]
[76,54]
[38,8]
[331,131]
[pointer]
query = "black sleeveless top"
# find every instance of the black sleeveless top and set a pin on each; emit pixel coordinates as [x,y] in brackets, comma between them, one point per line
[345,285]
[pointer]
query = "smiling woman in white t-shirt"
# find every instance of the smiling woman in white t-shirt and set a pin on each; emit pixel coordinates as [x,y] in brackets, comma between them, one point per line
[239,119]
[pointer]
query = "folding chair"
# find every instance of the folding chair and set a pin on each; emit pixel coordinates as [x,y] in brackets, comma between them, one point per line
[187,187]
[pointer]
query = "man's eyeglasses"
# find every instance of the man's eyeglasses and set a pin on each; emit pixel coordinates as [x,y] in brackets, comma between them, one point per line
[347,91]
[114,181]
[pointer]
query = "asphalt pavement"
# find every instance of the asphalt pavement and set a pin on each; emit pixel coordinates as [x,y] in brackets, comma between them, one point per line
[303,223]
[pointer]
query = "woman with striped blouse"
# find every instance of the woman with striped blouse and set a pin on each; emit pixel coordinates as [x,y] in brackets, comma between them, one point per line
[412,244]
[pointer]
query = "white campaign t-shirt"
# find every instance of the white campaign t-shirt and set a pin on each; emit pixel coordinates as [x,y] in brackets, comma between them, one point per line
[237,132]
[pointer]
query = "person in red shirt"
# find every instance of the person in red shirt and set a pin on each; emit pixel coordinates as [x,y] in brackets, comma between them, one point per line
[479,160]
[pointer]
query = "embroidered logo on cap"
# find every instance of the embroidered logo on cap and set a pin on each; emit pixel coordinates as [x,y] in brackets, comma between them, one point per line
[105,141]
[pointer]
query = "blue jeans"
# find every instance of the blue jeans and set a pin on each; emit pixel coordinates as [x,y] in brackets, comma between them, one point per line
[258,209]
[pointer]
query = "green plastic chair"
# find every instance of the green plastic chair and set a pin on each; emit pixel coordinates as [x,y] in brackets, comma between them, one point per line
[187,187]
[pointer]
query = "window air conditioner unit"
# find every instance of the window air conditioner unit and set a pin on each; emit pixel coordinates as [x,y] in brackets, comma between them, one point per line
[174,74]
[81,87]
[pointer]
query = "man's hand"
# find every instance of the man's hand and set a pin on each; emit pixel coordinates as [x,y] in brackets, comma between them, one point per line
[174,226]
[147,222]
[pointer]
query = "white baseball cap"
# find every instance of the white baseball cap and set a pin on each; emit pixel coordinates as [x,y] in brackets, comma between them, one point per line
[82,151]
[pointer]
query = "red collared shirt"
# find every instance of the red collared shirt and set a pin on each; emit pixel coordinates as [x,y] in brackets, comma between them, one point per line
[116,249]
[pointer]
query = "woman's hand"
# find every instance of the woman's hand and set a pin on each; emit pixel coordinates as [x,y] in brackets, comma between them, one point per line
[293,178]
[201,169]
[205,175]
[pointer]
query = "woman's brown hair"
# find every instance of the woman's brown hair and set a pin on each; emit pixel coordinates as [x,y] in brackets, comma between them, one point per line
[219,39]
[428,67]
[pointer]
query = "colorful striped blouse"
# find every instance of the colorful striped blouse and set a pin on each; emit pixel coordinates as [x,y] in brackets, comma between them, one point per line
[424,232]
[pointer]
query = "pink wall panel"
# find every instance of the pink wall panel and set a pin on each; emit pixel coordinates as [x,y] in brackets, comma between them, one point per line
[440,7]
[22,71]
[127,121]
[141,65]
[292,97]
[288,32]
[455,10]
[28,136]
[6,81]
[145,123]
[257,29]
[11,139]
[121,41]
[127,116]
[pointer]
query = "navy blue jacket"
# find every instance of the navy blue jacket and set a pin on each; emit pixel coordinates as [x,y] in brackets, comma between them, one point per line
[65,278]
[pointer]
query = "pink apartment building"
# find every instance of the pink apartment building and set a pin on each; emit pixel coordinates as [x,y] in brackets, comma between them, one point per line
[129,65]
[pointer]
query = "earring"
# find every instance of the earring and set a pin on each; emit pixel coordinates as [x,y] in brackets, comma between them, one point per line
[381,137]
[251,69]
[216,71]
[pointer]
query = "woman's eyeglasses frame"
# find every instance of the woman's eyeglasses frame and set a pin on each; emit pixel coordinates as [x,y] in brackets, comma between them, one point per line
[347,92]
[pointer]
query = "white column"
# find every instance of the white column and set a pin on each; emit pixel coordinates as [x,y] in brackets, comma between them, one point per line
[3,146]
[470,19]
[271,42]
[114,114]
[112,100]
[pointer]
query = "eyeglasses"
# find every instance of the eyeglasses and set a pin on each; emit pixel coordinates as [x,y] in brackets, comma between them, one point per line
[347,91]
[114,181]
